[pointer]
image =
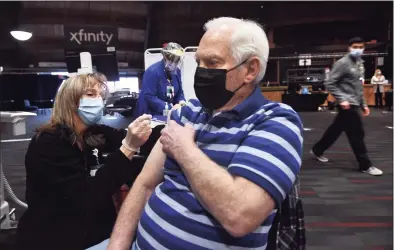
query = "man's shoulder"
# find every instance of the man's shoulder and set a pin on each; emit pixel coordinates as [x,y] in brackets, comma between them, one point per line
[279,116]
[193,104]
[192,107]
[269,110]
[273,110]
[343,60]
[187,113]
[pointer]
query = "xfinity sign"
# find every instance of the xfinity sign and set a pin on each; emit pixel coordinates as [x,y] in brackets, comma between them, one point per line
[91,36]
[82,36]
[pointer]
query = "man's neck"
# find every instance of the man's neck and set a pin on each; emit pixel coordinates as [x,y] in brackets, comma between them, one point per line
[237,99]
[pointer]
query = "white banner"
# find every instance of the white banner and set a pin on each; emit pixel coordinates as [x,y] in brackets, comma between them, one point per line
[188,70]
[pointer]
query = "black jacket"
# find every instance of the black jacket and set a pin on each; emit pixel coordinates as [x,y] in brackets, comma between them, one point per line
[67,208]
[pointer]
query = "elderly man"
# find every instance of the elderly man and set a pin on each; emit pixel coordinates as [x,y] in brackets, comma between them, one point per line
[224,163]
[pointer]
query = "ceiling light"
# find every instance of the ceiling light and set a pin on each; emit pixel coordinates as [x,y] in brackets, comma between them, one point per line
[21,35]
[59,73]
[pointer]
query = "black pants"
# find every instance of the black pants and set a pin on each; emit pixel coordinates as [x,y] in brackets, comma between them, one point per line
[378,100]
[350,122]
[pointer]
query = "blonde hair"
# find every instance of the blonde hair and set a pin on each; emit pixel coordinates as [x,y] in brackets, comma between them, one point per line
[377,70]
[67,101]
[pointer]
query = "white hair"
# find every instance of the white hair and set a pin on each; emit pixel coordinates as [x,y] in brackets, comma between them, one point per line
[248,39]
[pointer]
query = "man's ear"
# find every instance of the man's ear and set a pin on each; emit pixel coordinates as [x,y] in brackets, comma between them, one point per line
[253,69]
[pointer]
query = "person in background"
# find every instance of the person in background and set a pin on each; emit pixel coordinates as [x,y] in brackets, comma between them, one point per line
[345,84]
[162,83]
[378,88]
[67,207]
[225,163]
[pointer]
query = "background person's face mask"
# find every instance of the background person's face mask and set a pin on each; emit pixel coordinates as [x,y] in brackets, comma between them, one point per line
[210,87]
[170,66]
[90,110]
[356,52]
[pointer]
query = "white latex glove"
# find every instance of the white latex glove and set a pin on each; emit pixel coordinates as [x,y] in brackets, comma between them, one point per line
[138,133]
[175,107]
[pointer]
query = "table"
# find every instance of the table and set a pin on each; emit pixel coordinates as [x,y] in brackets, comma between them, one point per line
[161,118]
[308,102]
[276,94]
[44,106]
[388,96]
[370,95]
[158,120]
[121,109]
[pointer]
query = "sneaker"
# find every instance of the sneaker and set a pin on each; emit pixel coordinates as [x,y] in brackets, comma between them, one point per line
[319,158]
[373,171]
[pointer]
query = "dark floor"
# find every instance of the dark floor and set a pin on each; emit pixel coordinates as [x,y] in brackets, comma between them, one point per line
[344,209]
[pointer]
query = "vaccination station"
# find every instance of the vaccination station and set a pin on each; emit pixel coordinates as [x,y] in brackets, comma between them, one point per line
[262,125]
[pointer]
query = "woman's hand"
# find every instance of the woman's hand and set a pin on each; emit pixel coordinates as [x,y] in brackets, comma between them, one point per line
[138,133]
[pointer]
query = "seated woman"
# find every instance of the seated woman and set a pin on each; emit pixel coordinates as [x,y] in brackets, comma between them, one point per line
[67,207]
[162,84]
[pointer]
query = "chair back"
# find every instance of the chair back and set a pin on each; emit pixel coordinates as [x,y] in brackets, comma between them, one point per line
[288,229]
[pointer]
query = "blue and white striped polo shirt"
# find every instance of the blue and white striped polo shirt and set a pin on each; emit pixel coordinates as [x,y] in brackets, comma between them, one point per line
[258,140]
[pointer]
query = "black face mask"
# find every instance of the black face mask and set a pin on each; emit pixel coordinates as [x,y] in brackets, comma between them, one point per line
[210,87]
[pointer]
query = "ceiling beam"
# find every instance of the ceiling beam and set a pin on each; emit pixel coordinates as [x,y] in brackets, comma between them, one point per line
[305,20]
[75,17]
[40,43]
[277,14]
[22,59]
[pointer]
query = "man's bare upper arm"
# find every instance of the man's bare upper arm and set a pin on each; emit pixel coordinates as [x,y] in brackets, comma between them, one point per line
[152,172]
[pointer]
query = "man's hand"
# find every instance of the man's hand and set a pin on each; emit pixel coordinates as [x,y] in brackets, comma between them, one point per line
[176,139]
[345,105]
[366,111]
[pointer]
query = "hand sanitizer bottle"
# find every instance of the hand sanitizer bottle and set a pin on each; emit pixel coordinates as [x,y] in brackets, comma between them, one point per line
[165,111]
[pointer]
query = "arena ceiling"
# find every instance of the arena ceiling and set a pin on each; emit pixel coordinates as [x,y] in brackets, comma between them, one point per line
[142,25]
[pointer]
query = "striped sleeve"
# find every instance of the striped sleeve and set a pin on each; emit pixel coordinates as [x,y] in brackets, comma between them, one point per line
[176,114]
[270,156]
[186,114]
